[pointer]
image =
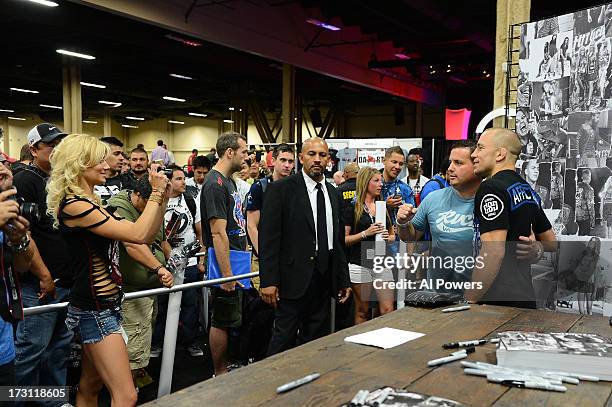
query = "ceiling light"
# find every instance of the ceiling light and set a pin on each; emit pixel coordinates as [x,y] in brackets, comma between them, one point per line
[433,72]
[173,99]
[198,114]
[7,110]
[401,55]
[321,24]
[129,126]
[16,118]
[228,121]
[488,75]
[24,90]
[93,85]
[178,76]
[90,121]
[175,122]
[134,118]
[230,108]
[191,43]
[45,3]
[50,106]
[448,71]
[74,54]
[111,104]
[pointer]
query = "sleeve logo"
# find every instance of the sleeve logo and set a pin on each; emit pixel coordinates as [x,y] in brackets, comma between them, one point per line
[491,207]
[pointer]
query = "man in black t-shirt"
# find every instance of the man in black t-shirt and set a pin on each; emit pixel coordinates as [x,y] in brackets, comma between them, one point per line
[42,341]
[506,209]
[224,229]
[283,160]
[348,187]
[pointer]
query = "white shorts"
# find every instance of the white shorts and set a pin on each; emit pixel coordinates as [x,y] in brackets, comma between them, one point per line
[360,275]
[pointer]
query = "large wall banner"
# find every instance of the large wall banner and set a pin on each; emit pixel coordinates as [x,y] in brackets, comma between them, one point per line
[564,120]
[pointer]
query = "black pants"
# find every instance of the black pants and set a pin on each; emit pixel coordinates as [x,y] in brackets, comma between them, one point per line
[304,319]
[7,374]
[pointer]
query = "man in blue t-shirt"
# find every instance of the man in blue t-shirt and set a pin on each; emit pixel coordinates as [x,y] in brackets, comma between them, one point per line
[395,191]
[448,216]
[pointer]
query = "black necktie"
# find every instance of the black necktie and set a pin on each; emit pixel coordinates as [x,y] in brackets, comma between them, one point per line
[323,250]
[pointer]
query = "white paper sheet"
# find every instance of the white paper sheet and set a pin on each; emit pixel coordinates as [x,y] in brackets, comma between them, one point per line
[385,338]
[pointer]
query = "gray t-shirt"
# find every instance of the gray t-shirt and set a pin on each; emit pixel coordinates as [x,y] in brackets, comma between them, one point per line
[220,199]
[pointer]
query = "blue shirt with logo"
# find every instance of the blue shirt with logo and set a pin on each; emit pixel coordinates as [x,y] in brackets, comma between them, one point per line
[7,343]
[397,187]
[449,218]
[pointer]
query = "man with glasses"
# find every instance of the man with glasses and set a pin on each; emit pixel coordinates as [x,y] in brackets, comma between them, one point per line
[42,341]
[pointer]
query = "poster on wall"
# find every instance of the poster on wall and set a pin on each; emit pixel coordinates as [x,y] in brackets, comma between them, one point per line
[371,157]
[564,121]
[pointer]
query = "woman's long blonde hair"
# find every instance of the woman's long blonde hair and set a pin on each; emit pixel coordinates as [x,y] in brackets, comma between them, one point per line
[364,176]
[73,155]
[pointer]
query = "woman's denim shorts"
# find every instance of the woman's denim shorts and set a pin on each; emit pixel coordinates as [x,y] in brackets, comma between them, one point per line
[93,326]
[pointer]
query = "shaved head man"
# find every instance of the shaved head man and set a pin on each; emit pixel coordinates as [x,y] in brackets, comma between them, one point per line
[497,150]
[507,213]
[301,256]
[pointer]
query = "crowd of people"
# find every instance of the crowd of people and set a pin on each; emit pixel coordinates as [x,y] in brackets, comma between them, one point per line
[102,223]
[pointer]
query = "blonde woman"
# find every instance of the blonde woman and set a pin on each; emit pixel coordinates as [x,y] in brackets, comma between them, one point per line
[360,227]
[78,164]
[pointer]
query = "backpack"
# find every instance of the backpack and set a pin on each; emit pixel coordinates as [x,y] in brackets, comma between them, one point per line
[256,328]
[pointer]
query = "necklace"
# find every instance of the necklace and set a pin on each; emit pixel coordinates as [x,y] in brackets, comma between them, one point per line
[367,210]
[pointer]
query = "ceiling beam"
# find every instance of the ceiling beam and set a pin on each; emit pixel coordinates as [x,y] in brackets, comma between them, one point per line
[242,29]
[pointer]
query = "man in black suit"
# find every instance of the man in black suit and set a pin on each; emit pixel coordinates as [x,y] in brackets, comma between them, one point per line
[303,262]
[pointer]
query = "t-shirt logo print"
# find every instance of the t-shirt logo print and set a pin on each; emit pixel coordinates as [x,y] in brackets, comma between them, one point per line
[491,207]
[239,214]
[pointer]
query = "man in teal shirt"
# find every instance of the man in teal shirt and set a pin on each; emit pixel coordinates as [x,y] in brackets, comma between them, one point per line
[447,215]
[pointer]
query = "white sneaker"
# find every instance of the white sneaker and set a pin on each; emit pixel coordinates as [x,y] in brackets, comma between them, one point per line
[155,351]
[195,350]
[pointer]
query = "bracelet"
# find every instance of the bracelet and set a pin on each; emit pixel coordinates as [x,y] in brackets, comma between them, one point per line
[23,246]
[363,235]
[156,198]
[156,269]
[402,225]
[540,250]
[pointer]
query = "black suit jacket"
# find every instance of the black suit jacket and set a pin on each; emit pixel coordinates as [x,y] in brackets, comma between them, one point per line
[287,239]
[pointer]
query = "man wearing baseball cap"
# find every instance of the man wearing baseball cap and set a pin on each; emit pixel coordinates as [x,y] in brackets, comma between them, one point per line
[43,337]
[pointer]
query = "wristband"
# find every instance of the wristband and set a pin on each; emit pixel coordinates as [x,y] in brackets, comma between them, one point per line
[402,225]
[363,235]
[156,269]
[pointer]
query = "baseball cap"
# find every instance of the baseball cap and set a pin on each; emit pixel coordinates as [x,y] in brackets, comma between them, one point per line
[45,132]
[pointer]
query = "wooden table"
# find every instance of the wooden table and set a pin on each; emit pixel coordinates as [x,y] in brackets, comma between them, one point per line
[346,368]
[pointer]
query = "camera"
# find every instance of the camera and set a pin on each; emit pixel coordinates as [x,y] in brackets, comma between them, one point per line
[167,172]
[28,210]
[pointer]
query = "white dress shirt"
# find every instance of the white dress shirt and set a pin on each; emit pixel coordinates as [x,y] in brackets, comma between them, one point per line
[311,188]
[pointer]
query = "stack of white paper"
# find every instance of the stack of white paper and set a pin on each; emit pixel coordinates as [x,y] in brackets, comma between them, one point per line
[385,338]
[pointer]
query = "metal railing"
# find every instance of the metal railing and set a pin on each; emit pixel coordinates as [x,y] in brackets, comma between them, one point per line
[144,293]
[174,305]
